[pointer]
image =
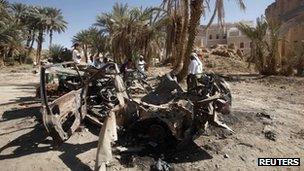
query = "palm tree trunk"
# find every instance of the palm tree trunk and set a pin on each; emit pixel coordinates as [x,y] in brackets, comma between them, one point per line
[1,60]
[85,51]
[196,8]
[32,44]
[39,47]
[10,53]
[177,39]
[181,45]
[170,33]
[51,38]
[169,40]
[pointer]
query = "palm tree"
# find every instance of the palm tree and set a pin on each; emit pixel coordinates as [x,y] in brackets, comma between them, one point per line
[97,41]
[11,33]
[19,11]
[264,50]
[83,38]
[196,11]
[55,22]
[55,52]
[133,30]
[20,24]
[93,42]
[42,20]
[59,54]
[31,21]
[41,25]
[11,38]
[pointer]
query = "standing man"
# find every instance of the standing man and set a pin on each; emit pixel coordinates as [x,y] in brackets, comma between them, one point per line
[195,69]
[141,66]
[126,67]
[91,61]
[76,53]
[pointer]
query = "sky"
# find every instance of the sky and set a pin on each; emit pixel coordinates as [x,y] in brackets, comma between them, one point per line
[81,14]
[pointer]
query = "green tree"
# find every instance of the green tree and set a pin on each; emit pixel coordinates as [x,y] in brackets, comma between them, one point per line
[133,31]
[59,54]
[55,22]
[83,38]
[264,50]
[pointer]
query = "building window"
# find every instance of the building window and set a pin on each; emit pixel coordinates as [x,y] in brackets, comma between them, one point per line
[217,36]
[242,45]
[251,45]
[210,36]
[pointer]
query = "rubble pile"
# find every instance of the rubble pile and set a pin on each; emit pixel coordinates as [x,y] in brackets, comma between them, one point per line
[224,50]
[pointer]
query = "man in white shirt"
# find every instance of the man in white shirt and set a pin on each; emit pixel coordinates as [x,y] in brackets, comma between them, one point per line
[195,68]
[141,65]
[90,62]
[76,53]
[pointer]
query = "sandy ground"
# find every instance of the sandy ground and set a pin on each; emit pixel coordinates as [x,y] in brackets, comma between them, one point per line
[25,145]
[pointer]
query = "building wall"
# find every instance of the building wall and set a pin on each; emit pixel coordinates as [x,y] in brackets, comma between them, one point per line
[239,41]
[214,36]
[289,14]
[217,34]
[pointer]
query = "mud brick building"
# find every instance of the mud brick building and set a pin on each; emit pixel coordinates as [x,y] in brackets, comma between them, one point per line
[228,34]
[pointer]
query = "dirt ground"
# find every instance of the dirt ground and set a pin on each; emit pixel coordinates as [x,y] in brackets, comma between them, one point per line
[267,117]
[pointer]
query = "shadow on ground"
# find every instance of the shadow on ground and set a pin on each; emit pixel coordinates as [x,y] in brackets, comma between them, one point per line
[242,77]
[29,88]
[16,113]
[38,141]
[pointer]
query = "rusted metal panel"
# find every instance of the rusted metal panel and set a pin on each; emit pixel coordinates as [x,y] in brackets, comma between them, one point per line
[62,116]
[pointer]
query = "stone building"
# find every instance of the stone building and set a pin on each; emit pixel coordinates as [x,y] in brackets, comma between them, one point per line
[228,34]
[289,14]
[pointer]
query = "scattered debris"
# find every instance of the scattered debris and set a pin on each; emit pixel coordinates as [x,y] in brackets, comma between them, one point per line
[226,156]
[242,158]
[223,50]
[263,115]
[270,133]
[35,72]
[299,134]
[246,144]
[160,165]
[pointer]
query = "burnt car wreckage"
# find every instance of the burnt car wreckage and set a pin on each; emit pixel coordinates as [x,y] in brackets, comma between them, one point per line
[166,112]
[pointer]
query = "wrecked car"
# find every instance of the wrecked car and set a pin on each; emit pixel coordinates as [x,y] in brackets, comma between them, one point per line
[70,93]
[165,114]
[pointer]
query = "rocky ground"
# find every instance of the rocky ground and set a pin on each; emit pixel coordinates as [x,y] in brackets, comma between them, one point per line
[267,119]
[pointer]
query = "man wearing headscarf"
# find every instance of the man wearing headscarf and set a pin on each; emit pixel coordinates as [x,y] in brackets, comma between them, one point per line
[195,69]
